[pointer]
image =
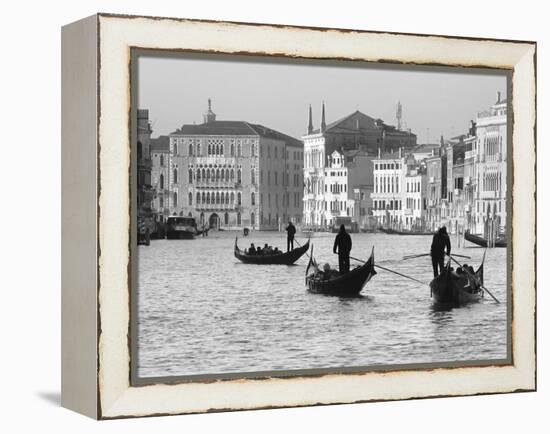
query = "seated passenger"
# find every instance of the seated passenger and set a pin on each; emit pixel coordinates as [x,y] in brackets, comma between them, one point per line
[327,272]
[258,250]
[252,249]
[276,251]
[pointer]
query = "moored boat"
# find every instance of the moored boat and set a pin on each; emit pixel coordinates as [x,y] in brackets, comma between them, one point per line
[450,288]
[390,231]
[283,258]
[481,241]
[346,285]
[181,228]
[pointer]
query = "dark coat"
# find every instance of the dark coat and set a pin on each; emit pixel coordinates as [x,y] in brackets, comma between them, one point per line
[290,230]
[440,243]
[343,243]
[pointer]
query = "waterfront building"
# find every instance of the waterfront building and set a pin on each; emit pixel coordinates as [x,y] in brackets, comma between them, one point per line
[389,172]
[335,194]
[144,166]
[490,151]
[160,148]
[355,132]
[415,202]
[235,174]
[436,188]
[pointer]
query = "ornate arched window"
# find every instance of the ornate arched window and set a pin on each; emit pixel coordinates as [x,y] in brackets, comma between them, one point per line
[203,197]
[190,199]
[239,198]
[161,181]
[232,149]
[221,149]
[232,198]
[238,218]
[217,198]
[226,218]
[239,176]
[190,176]
[253,199]
[232,174]
[190,149]
[253,176]
[175,199]
[198,200]
[198,175]
[252,219]
[161,160]
[175,177]
[208,198]
[227,198]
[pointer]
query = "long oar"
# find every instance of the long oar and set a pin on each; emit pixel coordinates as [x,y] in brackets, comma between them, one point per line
[392,271]
[475,278]
[428,254]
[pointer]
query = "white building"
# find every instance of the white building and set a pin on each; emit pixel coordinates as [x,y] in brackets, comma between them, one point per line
[490,168]
[336,203]
[389,172]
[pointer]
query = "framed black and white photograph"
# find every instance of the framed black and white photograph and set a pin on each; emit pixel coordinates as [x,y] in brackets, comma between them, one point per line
[290,216]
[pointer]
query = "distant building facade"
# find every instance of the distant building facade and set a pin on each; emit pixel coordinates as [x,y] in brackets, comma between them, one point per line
[389,176]
[160,176]
[235,174]
[144,166]
[490,151]
[355,132]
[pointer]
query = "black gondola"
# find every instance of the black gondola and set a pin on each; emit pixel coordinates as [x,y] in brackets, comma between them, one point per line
[346,285]
[480,241]
[456,290]
[287,258]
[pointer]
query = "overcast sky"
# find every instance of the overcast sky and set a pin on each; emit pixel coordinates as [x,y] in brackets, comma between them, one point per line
[276,93]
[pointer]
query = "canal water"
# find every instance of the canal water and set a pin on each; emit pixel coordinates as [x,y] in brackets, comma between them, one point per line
[201,311]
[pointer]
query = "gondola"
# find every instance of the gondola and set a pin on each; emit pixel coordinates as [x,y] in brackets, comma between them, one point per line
[480,241]
[457,290]
[347,285]
[287,258]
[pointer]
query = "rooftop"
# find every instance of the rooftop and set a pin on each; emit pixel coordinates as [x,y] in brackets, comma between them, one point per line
[160,144]
[235,128]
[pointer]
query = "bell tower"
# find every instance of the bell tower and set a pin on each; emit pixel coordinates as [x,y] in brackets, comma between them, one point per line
[209,116]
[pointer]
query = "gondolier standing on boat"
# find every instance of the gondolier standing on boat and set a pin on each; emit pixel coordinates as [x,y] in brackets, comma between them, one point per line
[440,243]
[342,243]
[290,232]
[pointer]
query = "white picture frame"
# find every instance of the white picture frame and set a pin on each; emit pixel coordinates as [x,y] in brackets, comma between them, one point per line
[96,213]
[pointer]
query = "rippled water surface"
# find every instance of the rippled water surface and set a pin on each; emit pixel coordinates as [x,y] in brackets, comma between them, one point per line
[200,311]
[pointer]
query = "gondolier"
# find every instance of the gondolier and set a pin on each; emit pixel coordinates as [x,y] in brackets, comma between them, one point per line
[290,232]
[440,243]
[342,246]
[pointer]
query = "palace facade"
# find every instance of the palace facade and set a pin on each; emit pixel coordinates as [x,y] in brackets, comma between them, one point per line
[355,132]
[234,174]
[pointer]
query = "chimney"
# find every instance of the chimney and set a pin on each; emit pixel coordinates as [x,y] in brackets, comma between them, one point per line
[310,122]
[400,152]
[379,152]
[323,123]
[498,96]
